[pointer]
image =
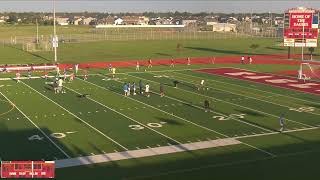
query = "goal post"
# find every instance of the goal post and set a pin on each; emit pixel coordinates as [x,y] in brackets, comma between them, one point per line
[309,71]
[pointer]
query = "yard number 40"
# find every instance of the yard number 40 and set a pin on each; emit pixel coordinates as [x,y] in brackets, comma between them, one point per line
[231,116]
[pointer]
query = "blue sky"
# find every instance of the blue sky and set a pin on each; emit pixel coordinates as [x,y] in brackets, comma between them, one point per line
[157,6]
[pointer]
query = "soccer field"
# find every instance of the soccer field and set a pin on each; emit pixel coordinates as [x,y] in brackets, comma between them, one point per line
[157,137]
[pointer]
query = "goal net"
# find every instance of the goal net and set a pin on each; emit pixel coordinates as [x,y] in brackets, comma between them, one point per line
[309,71]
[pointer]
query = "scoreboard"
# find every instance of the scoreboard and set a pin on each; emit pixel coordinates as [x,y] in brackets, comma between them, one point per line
[301,27]
[27,169]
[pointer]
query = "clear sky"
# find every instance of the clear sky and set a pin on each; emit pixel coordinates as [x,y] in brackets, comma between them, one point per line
[226,6]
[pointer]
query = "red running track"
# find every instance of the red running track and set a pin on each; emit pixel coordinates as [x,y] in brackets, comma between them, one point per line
[257,59]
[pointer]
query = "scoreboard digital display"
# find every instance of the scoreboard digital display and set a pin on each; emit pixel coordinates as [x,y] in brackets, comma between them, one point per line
[27,169]
[301,28]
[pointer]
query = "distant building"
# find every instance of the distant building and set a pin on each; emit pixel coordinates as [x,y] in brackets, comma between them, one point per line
[143,20]
[106,21]
[62,21]
[130,20]
[189,22]
[118,21]
[224,27]
[88,21]
[77,21]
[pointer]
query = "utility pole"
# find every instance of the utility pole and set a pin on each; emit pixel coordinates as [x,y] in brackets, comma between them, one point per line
[37,31]
[55,38]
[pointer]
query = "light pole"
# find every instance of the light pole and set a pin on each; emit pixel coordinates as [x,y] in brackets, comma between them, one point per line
[55,38]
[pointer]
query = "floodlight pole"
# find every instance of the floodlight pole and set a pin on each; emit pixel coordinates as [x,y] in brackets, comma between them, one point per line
[54,32]
[37,31]
[303,43]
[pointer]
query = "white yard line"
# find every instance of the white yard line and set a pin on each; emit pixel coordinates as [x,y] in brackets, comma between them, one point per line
[98,131]
[128,117]
[183,119]
[203,108]
[243,106]
[149,152]
[203,127]
[192,82]
[58,147]
[275,94]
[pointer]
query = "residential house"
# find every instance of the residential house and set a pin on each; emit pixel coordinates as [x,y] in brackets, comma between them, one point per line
[143,20]
[189,22]
[77,21]
[130,20]
[88,21]
[118,21]
[106,21]
[62,21]
[224,27]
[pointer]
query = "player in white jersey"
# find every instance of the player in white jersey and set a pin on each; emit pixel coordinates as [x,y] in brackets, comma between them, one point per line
[147,90]
[137,66]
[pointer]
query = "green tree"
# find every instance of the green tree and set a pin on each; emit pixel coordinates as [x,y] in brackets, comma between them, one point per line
[12,19]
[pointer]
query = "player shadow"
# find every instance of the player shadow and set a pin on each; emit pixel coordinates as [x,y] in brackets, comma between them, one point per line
[248,112]
[276,48]
[164,54]
[220,51]
[32,54]
[27,148]
[169,121]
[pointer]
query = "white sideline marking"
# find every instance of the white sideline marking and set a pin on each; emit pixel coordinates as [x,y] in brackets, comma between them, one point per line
[236,119]
[37,126]
[271,133]
[139,153]
[77,117]
[126,116]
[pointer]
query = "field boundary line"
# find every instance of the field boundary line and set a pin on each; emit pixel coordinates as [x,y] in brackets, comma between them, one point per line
[192,82]
[101,104]
[243,106]
[286,131]
[275,94]
[58,147]
[195,124]
[97,130]
[196,106]
[149,152]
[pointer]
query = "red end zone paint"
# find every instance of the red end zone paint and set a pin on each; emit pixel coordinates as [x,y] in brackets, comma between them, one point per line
[271,79]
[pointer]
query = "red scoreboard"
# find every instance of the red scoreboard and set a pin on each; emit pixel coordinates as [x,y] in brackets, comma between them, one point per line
[301,27]
[27,169]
